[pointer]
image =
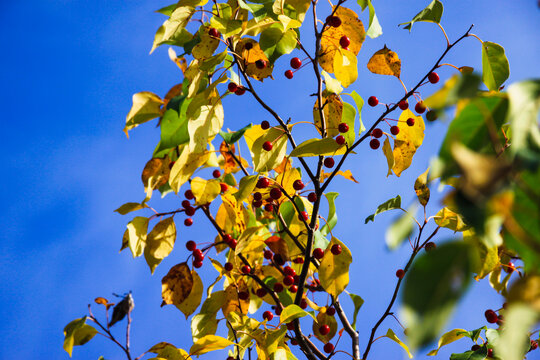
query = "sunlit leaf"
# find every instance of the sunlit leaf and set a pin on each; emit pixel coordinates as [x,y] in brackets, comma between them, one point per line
[292,312]
[432,13]
[156,173]
[332,85]
[347,174]
[523,115]
[146,106]
[77,333]
[394,203]
[331,219]
[333,112]
[135,235]
[385,62]
[205,191]
[388,153]
[407,141]
[176,285]
[317,147]
[193,300]
[232,137]
[129,207]
[449,219]
[358,302]
[401,229]
[205,49]
[392,336]
[160,242]
[267,160]
[324,319]
[345,67]
[495,68]
[487,257]
[251,56]
[275,41]
[209,343]
[374,29]
[334,269]
[421,188]
[447,338]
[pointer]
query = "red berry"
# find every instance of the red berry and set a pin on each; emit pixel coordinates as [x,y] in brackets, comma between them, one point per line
[267,315]
[213,32]
[224,187]
[257,196]
[263,183]
[230,358]
[510,267]
[269,207]
[188,222]
[336,249]
[534,345]
[373,101]
[335,21]
[420,107]
[312,197]
[260,64]
[190,245]
[257,204]
[228,266]
[490,353]
[374,144]
[268,255]
[394,130]
[340,139]
[290,326]
[431,115]
[243,295]
[232,87]
[197,264]
[293,289]
[248,46]
[403,105]
[331,311]
[410,121]
[246,269]
[377,133]
[278,259]
[233,243]
[329,162]
[328,348]
[289,271]
[299,260]
[475,347]
[433,77]
[324,330]
[261,292]
[240,91]
[275,193]
[278,287]
[343,127]
[189,210]
[296,63]
[289,74]
[303,216]
[267,146]
[491,316]
[318,253]
[288,280]
[344,41]
[303,304]
[265,125]
[298,185]
[400,273]
[294,342]
[185,203]
[216,173]
[189,195]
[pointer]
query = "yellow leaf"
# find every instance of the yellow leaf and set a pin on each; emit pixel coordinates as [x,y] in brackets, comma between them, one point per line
[392,336]
[421,188]
[286,180]
[168,351]
[181,62]
[204,124]
[176,285]
[232,302]
[205,191]
[285,165]
[448,338]
[209,343]
[351,27]
[264,161]
[301,7]
[385,62]
[316,147]
[449,219]
[334,269]
[324,319]
[158,171]
[185,166]
[333,111]
[292,312]
[407,141]
[387,151]
[146,106]
[129,207]
[250,54]
[193,300]
[160,242]
[230,216]
[347,174]
[345,67]
[206,47]
[135,235]
[487,256]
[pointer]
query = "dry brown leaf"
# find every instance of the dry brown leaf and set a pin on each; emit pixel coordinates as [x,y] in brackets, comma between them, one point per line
[158,171]
[176,285]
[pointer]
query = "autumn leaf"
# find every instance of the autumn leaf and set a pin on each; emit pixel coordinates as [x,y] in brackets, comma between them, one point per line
[205,191]
[385,62]
[160,242]
[333,112]
[209,343]
[193,300]
[324,319]
[345,67]
[421,188]
[77,333]
[387,151]
[250,52]
[206,47]
[176,285]
[334,269]
[156,173]
[407,141]
[146,106]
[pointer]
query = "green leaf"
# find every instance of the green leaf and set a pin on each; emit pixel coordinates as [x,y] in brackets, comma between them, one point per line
[246,186]
[232,137]
[318,147]
[348,116]
[358,302]
[77,333]
[447,338]
[523,115]
[513,342]
[319,240]
[292,312]
[432,13]
[146,106]
[332,85]
[359,104]
[174,125]
[267,160]
[331,220]
[479,354]
[275,42]
[394,203]
[434,284]
[401,229]
[474,334]
[392,336]
[334,269]
[203,324]
[374,30]
[495,68]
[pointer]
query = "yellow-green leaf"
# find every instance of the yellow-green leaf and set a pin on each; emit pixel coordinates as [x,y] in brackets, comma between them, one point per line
[487,257]
[129,207]
[176,285]
[135,235]
[263,160]
[166,351]
[333,113]
[334,269]
[332,85]
[193,300]
[246,186]
[387,151]
[292,312]
[450,220]
[160,242]
[316,147]
[392,336]
[407,141]
[447,338]
[185,166]
[345,67]
[205,191]
[205,49]
[146,106]
[209,343]
[324,319]
[77,333]
[385,62]
[421,188]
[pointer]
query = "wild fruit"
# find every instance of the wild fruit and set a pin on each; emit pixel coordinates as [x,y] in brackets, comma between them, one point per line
[329,162]
[233,243]
[246,269]
[190,245]
[431,115]
[312,197]
[490,353]
[303,216]
[260,64]
[288,280]
[377,133]
[331,311]
[318,253]
[185,203]
[294,342]
[268,255]
[343,127]
[340,139]
[214,33]
[344,41]
[333,21]
[189,210]
[475,347]
[303,304]
[400,273]
[430,246]
[232,87]
[261,292]
[228,266]
[298,260]
[296,63]
[278,287]
[197,264]
[189,195]
[289,271]
[257,196]
[275,193]
[269,207]
[223,187]
[265,125]
[336,249]
[403,105]
[257,204]
[374,144]
[373,101]
[289,74]
[267,315]
[328,348]
[324,330]
[243,295]
[394,130]
[263,183]
[198,255]
[420,107]
[240,91]
[410,121]
[188,222]
[293,289]
[267,146]
[298,185]
[491,316]
[433,77]
[216,173]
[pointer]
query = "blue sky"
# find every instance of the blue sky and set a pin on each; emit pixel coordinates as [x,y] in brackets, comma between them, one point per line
[68,71]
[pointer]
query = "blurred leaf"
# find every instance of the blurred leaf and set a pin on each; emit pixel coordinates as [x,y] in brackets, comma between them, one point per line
[455,88]
[432,13]
[447,338]
[434,284]
[392,336]
[479,354]
[385,62]
[394,203]
[77,333]
[401,229]
[448,219]
[421,188]
[513,342]
[487,257]
[334,269]
[358,302]
[523,115]
[495,68]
